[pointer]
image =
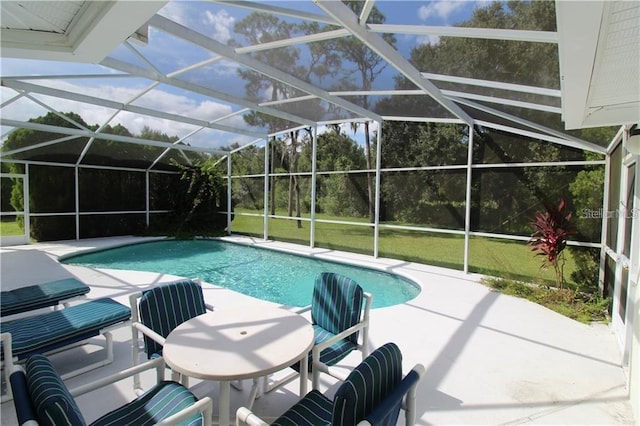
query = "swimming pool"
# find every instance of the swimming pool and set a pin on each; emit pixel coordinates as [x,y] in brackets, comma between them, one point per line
[266,274]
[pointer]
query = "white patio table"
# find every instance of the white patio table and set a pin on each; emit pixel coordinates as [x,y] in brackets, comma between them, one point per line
[240,343]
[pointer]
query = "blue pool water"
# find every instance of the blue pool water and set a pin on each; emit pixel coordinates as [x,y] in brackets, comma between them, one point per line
[266,274]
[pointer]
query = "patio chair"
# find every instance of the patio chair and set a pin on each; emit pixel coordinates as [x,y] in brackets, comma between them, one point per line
[37,296]
[372,394]
[41,397]
[339,311]
[60,330]
[157,311]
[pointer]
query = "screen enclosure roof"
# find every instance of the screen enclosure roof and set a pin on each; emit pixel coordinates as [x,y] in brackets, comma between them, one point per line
[221,74]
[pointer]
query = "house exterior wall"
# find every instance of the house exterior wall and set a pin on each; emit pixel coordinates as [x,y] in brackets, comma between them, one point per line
[634,367]
[621,258]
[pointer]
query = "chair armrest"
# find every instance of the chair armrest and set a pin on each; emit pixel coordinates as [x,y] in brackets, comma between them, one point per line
[403,396]
[7,349]
[25,411]
[149,332]
[246,416]
[368,300]
[409,403]
[157,363]
[204,406]
[302,310]
[343,334]
[198,281]
[8,364]
[363,324]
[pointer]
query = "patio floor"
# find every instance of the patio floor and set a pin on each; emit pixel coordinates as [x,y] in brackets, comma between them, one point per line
[490,359]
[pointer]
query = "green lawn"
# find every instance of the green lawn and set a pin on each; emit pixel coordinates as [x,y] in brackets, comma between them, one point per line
[10,228]
[490,256]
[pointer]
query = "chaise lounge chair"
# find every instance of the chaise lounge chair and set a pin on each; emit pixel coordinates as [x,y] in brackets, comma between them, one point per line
[58,330]
[49,294]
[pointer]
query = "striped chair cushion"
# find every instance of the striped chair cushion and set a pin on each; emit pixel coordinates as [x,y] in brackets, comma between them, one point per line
[367,386]
[56,329]
[165,307]
[51,399]
[336,303]
[313,410]
[25,410]
[159,402]
[40,295]
[386,413]
[331,355]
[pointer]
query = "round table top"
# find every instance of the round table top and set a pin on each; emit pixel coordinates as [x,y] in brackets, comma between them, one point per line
[239,343]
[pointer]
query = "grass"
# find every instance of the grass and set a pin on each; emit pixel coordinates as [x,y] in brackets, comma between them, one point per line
[489,256]
[10,228]
[511,261]
[517,270]
[582,307]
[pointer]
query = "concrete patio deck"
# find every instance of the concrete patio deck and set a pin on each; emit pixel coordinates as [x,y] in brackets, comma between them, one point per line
[490,359]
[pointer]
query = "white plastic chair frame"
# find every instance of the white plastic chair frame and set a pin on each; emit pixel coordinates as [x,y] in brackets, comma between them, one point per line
[318,367]
[204,406]
[10,362]
[137,345]
[363,326]
[244,415]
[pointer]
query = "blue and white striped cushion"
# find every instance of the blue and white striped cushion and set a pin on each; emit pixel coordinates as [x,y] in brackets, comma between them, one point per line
[165,307]
[312,410]
[367,386]
[41,333]
[158,403]
[331,355]
[336,303]
[51,399]
[40,295]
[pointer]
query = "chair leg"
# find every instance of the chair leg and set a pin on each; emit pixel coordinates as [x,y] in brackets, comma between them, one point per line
[254,393]
[7,365]
[278,383]
[108,359]
[410,407]
[315,378]
[183,379]
[135,355]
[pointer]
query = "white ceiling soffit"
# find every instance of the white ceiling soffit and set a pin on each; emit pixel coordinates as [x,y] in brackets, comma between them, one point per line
[600,69]
[73,31]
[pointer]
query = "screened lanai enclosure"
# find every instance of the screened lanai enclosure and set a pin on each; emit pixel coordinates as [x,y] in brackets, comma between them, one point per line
[425,131]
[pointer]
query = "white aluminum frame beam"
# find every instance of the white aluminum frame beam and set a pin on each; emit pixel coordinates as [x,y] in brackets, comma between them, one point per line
[91,134]
[325,35]
[494,84]
[214,46]
[276,10]
[35,146]
[136,71]
[557,137]
[119,106]
[469,32]
[451,94]
[63,76]
[345,17]
[367,8]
